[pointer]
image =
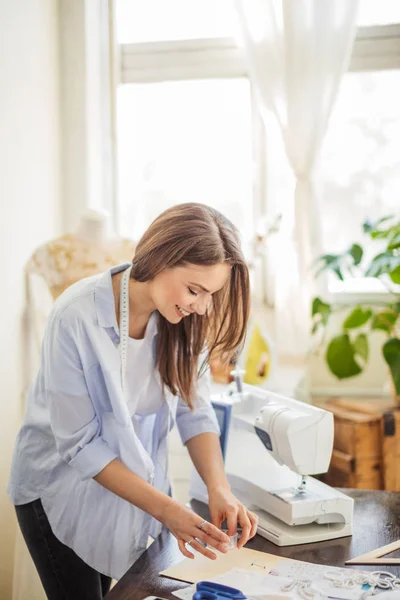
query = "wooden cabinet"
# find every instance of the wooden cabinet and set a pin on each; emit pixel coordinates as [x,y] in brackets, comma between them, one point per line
[366,451]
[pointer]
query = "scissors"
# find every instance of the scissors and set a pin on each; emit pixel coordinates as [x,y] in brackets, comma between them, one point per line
[206,590]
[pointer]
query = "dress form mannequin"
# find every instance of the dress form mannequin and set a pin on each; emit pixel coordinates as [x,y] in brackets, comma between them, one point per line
[90,250]
[94,227]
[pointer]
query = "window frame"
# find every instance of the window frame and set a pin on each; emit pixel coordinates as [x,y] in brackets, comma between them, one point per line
[376,48]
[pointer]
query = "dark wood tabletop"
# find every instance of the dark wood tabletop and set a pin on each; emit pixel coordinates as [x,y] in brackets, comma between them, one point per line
[376,523]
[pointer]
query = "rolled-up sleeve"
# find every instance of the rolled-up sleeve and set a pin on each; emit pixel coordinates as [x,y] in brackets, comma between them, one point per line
[74,422]
[202,418]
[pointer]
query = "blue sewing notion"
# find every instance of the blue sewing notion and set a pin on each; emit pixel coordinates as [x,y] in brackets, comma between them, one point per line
[206,590]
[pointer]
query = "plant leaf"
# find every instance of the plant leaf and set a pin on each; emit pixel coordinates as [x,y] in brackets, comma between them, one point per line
[356,252]
[359,316]
[383,263]
[373,226]
[384,320]
[395,306]
[331,262]
[320,313]
[327,259]
[340,357]
[321,308]
[395,241]
[380,233]
[361,347]
[395,275]
[391,353]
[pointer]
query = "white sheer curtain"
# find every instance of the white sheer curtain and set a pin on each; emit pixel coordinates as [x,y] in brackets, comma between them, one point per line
[297,51]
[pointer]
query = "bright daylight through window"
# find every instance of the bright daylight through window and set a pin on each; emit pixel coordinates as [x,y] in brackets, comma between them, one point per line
[181,141]
[188,136]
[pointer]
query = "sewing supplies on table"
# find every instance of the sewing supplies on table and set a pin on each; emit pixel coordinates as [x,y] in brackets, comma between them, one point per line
[253,564]
[296,579]
[334,581]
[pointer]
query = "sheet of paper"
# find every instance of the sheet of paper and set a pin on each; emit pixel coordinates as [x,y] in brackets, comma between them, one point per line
[259,584]
[202,568]
[252,584]
[258,574]
[305,570]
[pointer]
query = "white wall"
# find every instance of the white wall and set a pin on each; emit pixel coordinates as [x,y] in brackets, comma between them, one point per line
[30,206]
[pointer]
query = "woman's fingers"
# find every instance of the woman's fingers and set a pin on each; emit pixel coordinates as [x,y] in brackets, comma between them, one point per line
[249,523]
[245,523]
[186,547]
[232,514]
[205,536]
[184,550]
[211,541]
[254,523]
[217,522]
[212,534]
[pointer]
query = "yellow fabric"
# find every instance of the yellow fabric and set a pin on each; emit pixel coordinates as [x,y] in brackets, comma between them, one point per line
[258,358]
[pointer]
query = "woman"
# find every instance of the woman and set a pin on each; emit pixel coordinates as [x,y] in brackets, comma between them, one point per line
[120,363]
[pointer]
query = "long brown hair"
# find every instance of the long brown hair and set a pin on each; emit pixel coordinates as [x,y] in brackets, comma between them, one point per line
[195,234]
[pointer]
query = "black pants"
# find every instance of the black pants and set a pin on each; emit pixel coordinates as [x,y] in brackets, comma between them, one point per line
[64,575]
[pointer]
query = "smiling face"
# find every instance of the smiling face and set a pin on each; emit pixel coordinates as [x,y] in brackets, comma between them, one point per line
[180,291]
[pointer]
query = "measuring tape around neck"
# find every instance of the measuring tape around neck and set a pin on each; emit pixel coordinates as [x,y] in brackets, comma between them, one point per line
[124,322]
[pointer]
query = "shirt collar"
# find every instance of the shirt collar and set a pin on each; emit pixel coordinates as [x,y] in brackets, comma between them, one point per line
[104,297]
[105,304]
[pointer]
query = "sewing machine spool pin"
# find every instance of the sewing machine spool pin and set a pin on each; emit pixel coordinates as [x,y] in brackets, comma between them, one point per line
[237,375]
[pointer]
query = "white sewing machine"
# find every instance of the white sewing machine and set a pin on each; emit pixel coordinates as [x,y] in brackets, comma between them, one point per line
[274,444]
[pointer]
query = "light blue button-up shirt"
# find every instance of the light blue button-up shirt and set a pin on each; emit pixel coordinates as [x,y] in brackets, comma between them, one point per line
[77,421]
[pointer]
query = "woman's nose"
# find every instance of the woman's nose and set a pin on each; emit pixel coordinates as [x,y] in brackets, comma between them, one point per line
[201,306]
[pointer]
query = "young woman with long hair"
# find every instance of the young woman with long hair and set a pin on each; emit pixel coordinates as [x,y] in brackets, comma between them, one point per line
[124,356]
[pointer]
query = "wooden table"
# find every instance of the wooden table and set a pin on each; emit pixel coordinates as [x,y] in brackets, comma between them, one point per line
[376,523]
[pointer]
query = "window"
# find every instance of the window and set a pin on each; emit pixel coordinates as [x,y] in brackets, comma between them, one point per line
[186,122]
[359,172]
[184,141]
[358,175]
[184,113]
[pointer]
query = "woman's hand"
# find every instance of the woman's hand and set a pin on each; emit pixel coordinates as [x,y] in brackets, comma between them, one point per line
[224,505]
[188,528]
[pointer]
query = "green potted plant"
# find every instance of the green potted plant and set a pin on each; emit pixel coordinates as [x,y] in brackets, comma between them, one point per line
[347,351]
